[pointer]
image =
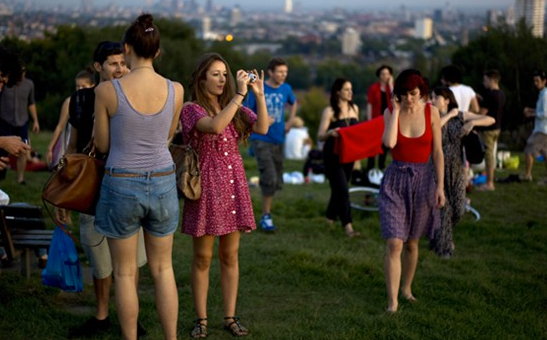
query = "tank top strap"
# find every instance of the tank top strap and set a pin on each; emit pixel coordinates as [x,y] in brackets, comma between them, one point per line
[122,99]
[427,112]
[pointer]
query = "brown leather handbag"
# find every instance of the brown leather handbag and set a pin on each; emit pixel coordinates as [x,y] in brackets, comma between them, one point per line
[75,183]
[188,174]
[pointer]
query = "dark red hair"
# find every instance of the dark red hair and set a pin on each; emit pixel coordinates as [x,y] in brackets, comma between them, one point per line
[408,80]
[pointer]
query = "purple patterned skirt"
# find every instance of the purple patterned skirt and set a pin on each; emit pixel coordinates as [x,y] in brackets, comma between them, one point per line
[407,201]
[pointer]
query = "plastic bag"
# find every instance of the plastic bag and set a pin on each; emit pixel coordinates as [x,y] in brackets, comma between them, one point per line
[63,268]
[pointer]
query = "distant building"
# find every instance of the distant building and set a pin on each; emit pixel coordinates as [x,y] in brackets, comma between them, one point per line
[209,6]
[351,42]
[510,16]
[288,6]
[235,16]
[205,26]
[423,28]
[533,11]
[87,5]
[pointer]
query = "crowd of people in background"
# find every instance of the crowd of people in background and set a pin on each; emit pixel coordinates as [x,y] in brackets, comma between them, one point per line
[134,112]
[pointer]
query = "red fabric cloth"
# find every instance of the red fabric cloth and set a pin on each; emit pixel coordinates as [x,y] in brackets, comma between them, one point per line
[415,150]
[360,141]
[374,97]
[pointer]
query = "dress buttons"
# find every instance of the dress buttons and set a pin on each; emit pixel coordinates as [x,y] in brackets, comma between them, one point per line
[225,154]
[225,139]
[233,196]
[233,212]
[229,167]
[232,181]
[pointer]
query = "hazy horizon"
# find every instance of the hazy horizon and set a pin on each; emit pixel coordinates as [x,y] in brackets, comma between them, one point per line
[317,4]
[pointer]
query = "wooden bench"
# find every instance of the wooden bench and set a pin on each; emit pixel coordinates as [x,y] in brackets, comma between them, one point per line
[22,229]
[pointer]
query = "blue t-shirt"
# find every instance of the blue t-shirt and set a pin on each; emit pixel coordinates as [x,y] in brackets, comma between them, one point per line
[276,99]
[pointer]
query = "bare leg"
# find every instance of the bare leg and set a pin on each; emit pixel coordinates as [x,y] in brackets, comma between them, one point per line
[102,295]
[410,261]
[529,164]
[124,262]
[490,177]
[159,254]
[266,204]
[21,164]
[229,270]
[201,263]
[392,268]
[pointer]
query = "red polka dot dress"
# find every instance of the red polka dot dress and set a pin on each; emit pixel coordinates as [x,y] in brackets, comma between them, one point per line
[225,203]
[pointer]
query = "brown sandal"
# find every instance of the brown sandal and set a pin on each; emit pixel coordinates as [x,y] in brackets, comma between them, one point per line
[235,327]
[200,329]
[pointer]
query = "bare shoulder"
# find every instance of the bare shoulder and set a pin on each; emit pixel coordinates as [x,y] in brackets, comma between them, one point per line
[104,88]
[356,110]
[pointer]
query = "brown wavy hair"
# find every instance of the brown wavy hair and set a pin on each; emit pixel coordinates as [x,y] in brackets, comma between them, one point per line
[198,95]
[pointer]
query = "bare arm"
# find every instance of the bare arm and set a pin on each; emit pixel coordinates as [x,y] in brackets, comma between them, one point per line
[474,105]
[369,111]
[444,119]
[472,119]
[292,114]
[34,116]
[63,119]
[322,132]
[73,141]
[103,93]
[438,157]
[391,124]
[179,99]
[263,121]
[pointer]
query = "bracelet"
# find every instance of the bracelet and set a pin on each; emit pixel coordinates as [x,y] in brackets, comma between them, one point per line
[238,105]
[241,94]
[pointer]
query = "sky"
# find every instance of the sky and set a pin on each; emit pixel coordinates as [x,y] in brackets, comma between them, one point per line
[314,4]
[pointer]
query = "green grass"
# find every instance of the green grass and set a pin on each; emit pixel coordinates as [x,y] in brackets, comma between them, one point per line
[309,281]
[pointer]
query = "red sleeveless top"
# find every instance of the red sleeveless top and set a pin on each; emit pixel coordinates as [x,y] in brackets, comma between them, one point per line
[418,149]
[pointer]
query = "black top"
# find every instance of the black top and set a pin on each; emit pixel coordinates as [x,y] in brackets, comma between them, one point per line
[82,114]
[494,101]
[328,147]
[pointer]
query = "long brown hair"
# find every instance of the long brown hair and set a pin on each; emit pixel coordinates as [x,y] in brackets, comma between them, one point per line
[199,76]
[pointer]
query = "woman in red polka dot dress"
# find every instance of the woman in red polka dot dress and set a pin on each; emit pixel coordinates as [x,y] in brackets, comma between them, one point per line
[214,123]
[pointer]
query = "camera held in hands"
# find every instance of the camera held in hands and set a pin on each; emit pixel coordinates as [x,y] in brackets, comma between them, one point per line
[252,77]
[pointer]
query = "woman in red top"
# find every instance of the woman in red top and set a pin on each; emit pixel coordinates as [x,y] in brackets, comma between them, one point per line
[410,198]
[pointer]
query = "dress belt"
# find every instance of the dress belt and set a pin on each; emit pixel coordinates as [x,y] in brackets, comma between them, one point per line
[155,174]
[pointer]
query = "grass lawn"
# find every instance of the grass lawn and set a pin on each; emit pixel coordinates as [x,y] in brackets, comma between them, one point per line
[309,281]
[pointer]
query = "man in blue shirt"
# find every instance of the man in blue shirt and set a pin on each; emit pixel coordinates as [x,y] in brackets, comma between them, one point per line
[268,148]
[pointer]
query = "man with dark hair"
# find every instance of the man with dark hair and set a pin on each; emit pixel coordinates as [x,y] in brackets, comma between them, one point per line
[16,103]
[451,76]
[492,105]
[268,148]
[537,142]
[108,61]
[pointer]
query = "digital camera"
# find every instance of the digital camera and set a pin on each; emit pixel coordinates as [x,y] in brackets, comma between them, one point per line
[252,77]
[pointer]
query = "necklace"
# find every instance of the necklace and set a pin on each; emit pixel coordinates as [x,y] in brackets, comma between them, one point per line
[136,68]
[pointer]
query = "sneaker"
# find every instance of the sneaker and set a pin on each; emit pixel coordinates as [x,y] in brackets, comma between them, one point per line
[91,327]
[266,223]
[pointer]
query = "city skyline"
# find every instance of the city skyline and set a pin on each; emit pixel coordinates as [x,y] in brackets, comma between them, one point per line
[318,4]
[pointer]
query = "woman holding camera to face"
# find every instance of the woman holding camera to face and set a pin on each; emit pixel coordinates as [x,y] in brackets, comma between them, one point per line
[341,112]
[214,123]
[410,198]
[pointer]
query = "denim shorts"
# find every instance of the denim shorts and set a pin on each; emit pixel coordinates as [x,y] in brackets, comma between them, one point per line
[126,203]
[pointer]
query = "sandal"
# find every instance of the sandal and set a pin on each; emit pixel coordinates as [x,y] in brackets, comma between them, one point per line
[200,329]
[235,327]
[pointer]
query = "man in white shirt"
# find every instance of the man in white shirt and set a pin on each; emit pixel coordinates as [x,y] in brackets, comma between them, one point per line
[537,142]
[466,98]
